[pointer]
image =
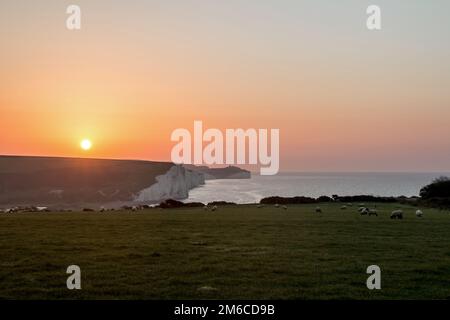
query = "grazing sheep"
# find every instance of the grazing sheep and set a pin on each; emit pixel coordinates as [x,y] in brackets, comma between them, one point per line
[373,212]
[205,208]
[397,214]
[285,207]
[277,205]
[349,204]
[363,211]
[419,213]
[343,207]
[214,208]
[260,206]
[318,210]
[134,208]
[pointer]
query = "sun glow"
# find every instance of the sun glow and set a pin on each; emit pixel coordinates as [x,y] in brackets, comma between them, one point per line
[86,144]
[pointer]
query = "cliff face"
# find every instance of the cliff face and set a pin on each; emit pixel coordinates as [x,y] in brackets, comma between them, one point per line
[75,183]
[174,184]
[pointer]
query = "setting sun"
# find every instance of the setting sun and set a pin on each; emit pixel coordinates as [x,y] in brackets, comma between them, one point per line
[86,144]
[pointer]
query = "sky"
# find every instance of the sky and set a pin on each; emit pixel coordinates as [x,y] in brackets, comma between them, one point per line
[344,98]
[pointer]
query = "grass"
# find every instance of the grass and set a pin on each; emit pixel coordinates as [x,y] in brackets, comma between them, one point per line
[240,252]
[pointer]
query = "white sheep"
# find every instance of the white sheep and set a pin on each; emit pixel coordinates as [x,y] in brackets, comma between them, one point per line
[285,207]
[343,207]
[363,211]
[373,212]
[214,208]
[419,213]
[397,214]
[277,205]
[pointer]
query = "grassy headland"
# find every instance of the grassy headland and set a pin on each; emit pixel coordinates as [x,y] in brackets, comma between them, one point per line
[236,252]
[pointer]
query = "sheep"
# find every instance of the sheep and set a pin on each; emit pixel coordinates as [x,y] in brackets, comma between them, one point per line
[277,205]
[285,207]
[349,204]
[373,212]
[260,206]
[343,207]
[397,214]
[205,208]
[363,211]
[318,210]
[134,208]
[419,213]
[214,208]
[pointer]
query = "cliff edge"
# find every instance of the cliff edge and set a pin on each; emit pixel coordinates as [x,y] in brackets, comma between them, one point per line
[75,182]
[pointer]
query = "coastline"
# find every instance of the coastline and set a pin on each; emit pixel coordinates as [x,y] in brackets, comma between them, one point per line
[385,184]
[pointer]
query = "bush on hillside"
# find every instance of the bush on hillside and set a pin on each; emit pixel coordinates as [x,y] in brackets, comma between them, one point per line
[287,200]
[439,188]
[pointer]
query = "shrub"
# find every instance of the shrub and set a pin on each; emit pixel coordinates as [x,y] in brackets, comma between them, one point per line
[324,199]
[221,203]
[439,188]
[287,200]
[170,203]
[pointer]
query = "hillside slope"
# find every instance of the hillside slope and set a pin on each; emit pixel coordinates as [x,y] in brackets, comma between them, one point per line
[48,181]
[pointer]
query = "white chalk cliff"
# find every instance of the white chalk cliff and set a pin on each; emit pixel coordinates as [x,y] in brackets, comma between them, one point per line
[174,184]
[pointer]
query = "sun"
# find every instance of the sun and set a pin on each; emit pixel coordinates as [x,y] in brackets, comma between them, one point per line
[86,144]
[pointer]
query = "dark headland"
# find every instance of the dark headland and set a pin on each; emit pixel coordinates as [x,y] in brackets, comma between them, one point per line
[54,181]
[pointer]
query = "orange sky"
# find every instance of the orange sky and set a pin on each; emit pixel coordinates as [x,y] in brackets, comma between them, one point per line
[344,98]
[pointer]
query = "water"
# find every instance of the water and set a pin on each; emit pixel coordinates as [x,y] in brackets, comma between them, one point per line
[312,185]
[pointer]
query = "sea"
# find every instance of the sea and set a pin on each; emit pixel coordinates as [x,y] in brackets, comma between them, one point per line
[312,185]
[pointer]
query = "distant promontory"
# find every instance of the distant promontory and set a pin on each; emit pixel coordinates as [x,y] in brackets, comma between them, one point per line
[229,172]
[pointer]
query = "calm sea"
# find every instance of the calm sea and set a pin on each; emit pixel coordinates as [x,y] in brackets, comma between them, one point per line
[313,185]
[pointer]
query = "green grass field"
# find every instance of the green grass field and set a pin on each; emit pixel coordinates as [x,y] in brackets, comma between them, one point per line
[239,252]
